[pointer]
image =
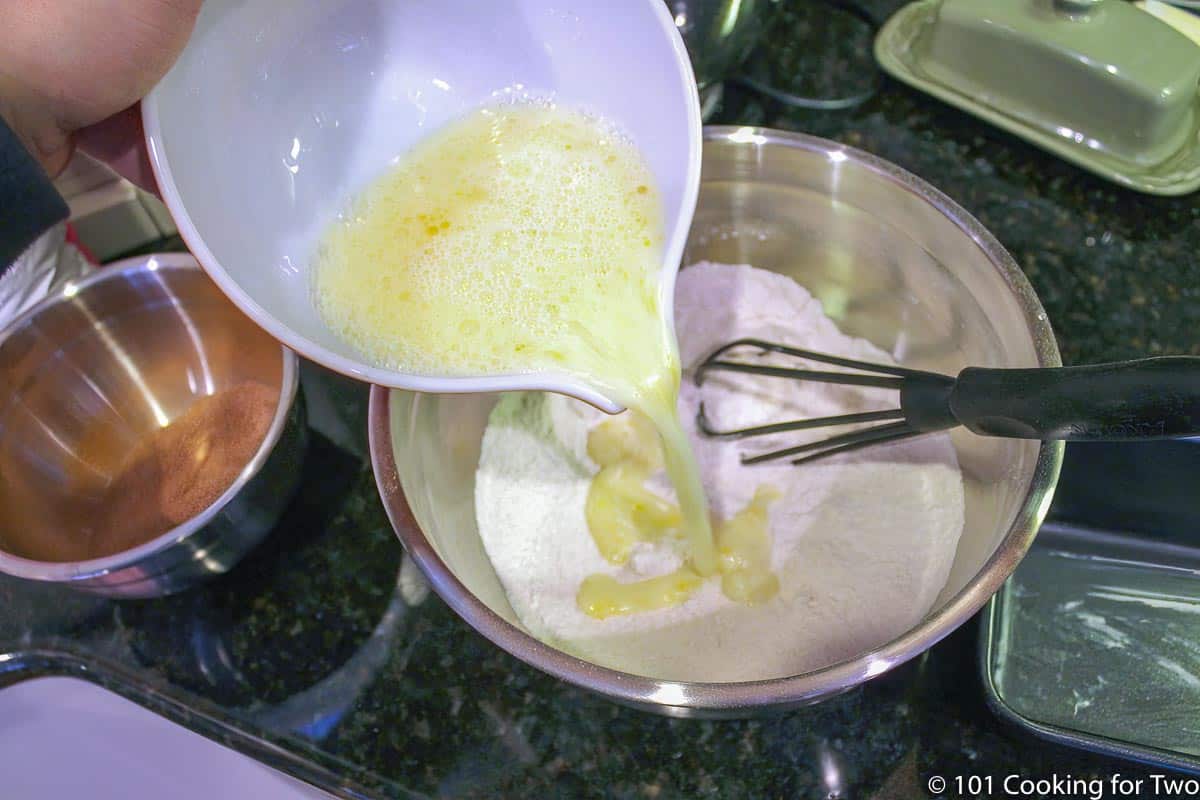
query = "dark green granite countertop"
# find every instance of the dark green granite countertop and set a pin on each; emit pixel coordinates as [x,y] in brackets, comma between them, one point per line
[309,656]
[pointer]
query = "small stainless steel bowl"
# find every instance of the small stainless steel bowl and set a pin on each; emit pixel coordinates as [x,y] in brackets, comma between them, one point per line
[93,369]
[892,260]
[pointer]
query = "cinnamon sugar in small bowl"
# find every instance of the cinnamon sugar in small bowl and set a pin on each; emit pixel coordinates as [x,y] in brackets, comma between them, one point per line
[150,433]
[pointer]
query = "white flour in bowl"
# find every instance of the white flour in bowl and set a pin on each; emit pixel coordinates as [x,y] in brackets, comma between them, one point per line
[862,543]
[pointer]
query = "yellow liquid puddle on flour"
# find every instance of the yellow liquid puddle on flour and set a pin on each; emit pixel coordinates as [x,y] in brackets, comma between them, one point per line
[621,512]
[520,239]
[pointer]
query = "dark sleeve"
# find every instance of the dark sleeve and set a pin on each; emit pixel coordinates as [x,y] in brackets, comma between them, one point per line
[28,202]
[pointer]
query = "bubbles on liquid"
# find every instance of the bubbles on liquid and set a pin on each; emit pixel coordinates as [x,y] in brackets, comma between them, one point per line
[546,233]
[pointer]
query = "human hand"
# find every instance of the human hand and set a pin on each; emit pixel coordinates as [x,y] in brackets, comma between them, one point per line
[72,72]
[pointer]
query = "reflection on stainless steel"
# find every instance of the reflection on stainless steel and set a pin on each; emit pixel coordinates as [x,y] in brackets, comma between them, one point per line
[90,372]
[924,350]
[719,34]
[844,224]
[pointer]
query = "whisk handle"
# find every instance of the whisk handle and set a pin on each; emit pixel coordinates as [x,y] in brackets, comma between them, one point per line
[1152,398]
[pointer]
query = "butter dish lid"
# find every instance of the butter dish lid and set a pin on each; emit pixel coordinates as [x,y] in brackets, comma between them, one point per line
[1109,38]
[1101,83]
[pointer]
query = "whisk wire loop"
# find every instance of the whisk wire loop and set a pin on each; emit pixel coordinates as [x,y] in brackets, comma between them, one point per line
[882,376]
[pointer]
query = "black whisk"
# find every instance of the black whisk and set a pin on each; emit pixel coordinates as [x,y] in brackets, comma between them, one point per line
[1152,398]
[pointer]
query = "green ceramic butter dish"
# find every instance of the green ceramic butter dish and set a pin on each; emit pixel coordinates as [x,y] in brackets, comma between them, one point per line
[1100,83]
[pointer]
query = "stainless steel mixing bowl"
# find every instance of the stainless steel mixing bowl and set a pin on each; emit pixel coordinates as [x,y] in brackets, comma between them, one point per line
[92,370]
[893,260]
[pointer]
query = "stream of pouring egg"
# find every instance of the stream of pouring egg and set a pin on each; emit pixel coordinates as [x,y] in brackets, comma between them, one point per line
[523,238]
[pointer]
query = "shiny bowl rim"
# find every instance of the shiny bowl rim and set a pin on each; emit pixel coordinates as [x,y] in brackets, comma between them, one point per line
[795,689]
[68,571]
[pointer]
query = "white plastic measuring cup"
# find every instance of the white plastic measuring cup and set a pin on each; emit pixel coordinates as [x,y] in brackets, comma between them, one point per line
[279,111]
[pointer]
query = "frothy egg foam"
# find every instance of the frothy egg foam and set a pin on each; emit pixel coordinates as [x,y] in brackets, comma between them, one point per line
[520,238]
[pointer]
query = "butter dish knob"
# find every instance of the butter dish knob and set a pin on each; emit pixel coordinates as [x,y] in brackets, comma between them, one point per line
[1077,7]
